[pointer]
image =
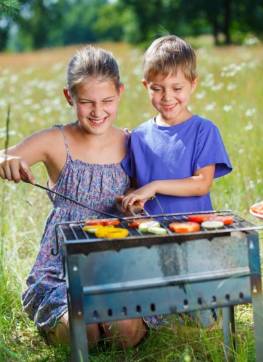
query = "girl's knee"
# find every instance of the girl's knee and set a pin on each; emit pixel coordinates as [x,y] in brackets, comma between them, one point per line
[128,332]
[60,334]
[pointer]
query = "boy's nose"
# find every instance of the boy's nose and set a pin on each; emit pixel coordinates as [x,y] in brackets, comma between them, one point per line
[167,96]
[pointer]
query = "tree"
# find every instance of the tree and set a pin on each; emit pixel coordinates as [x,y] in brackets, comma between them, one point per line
[8,9]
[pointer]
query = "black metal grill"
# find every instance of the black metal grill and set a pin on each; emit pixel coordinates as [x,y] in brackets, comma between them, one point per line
[147,274]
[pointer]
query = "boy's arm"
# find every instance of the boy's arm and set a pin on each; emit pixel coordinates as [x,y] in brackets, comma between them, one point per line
[197,185]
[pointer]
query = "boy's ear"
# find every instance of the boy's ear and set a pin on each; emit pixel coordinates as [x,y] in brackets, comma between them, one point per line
[194,84]
[145,83]
[68,96]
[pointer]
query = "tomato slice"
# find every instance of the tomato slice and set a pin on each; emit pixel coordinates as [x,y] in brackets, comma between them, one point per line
[199,217]
[104,222]
[226,219]
[184,227]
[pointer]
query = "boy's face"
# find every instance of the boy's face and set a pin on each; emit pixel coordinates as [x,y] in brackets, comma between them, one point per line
[170,96]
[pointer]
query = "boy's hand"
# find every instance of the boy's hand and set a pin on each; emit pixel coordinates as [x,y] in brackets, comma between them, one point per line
[136,208]
[13,168]
[139,196]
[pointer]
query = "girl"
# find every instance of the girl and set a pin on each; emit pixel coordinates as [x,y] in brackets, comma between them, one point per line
[83,162]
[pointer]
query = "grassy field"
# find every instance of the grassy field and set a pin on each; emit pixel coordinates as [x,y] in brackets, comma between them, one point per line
[229,93]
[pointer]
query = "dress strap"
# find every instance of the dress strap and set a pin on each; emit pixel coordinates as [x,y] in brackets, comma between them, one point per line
[61,128]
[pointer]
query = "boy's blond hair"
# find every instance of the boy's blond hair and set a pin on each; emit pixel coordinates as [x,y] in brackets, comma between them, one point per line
[168,53]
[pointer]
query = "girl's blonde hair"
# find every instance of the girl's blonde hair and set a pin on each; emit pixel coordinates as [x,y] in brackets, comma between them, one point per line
[92,62]
[168,53]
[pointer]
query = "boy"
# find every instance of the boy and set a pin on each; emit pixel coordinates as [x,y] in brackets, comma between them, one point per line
[175,155]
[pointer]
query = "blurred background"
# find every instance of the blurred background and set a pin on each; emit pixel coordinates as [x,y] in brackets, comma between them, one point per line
[34,24]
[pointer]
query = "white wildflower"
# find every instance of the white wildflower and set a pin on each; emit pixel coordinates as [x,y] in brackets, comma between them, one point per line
[227,107]
[240,151]
[249,127]
[200,95]
[231,86]
[210,106]
[217,87]
[250,112]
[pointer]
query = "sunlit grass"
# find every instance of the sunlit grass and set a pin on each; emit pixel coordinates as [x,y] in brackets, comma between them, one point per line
[229,93]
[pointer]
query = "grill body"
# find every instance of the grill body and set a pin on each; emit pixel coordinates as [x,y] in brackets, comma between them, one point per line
[147,275]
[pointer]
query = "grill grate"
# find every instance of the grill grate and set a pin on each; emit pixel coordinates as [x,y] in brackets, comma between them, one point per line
[72,233]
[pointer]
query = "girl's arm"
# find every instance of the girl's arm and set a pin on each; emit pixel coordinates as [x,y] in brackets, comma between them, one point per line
[15,162]
[197,185]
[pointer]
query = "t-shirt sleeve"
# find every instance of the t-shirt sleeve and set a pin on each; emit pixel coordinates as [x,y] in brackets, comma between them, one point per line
[210,149]
[128,163]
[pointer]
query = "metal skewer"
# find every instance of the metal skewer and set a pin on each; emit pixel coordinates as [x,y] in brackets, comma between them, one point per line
[76,202]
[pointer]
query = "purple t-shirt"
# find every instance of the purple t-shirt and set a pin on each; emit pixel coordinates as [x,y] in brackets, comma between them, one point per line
[176,152]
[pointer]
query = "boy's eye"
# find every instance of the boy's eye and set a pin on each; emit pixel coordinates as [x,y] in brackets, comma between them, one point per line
[107,100]
[155,89]
[177,89]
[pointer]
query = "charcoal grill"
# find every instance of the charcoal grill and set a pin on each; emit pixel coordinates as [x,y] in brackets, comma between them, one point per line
[145,275]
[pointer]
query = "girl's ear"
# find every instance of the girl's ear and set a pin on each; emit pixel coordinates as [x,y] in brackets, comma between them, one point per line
[145,83]
[68,96]
[121,88]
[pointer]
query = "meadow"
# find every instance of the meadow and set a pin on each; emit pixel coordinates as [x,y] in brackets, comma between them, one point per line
[229,93]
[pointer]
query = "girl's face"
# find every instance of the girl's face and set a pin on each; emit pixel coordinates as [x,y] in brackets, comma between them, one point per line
[96,103]
[170,96]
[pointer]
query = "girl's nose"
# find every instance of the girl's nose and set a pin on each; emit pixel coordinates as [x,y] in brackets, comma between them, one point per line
[96,111]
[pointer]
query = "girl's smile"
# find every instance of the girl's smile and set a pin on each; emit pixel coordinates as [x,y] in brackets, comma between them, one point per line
[96,102]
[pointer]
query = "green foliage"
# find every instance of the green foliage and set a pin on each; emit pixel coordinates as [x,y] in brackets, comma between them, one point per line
[9,7]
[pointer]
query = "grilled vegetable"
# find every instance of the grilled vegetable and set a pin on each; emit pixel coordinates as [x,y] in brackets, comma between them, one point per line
[157,230]
[104,222]
[184,227]
[212,224]
[144,226]
[111,232]
[200,218]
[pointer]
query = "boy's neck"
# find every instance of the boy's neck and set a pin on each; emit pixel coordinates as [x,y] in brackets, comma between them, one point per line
[160,121]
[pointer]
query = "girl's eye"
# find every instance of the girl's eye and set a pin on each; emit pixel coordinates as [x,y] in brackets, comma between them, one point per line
[177,89]
[156,89]
[108,101]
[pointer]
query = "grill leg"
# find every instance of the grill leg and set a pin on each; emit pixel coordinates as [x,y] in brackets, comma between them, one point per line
[78,335]
[256,292]
[229,332]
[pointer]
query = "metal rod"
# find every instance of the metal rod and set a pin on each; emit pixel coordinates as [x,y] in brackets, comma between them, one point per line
[77,202]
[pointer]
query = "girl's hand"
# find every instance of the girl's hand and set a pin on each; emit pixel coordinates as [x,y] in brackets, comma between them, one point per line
[13,168]
[139,196]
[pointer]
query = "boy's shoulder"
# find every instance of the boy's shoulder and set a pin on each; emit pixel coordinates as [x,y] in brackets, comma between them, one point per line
[143,127]
[203,123]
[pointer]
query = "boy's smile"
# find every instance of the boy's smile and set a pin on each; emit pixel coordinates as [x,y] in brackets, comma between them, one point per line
[170,96]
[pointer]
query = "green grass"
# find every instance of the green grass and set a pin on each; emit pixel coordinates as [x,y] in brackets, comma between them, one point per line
[229,93]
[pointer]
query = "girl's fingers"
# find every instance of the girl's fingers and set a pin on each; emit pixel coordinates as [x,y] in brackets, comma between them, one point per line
[7,171]
[2,174]
[25,172]
[15,172]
